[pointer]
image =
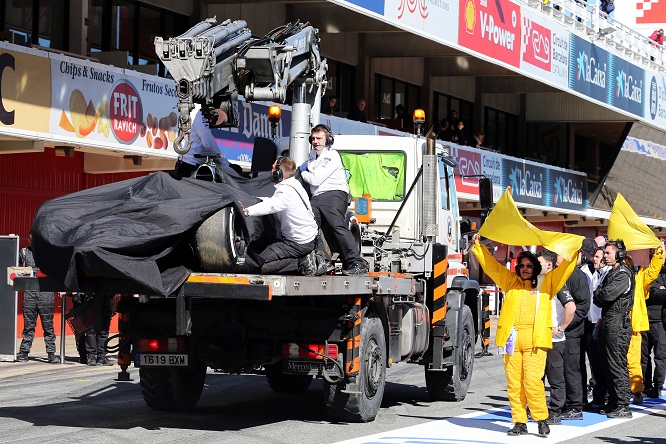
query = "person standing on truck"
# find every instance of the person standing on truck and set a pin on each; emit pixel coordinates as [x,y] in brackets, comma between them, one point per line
[36,303]
[615,296]
[525,322]
[325,174]
[203,142]
[295,251]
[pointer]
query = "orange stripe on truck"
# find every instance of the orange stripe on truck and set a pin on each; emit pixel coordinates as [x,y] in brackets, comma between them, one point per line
[207,279]
[440,268]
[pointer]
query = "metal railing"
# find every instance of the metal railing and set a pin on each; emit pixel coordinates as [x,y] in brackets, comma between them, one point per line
[602,28]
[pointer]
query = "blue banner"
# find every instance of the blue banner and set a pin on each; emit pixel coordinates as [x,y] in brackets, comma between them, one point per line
[528,182]
[371,5]
[589,70]
[567,190]
[627,84]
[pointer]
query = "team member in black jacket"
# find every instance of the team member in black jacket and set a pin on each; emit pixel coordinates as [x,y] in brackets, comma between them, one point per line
[655,339]
[580,290]
[615,296]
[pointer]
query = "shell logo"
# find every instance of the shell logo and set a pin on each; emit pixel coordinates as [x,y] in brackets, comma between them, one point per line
[470,16]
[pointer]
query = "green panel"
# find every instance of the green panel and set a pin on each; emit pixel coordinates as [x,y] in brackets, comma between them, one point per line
[381,175]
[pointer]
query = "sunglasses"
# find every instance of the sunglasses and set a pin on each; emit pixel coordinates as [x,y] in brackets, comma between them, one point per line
[528,266]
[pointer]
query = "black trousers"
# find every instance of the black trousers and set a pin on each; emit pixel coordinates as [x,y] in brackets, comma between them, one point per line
[572,375]
[585,344]
[616,337]
[284,256]
[97,336]
[598,366]
[34,304]
[654,341]
[555,375]
[330,207]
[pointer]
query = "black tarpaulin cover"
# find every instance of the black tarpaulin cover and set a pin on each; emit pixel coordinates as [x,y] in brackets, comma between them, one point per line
[136,229]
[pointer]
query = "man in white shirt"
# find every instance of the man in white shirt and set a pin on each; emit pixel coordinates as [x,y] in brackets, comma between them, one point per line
[325,174]
[295,251]
[203,142]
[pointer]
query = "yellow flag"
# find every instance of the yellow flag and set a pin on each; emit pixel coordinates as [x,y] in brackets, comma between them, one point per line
[505,224]
[625,224]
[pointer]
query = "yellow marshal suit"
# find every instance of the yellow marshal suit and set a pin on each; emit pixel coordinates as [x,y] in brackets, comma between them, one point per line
[529,311]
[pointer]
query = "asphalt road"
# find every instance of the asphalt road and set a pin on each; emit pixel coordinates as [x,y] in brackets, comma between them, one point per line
[69,403]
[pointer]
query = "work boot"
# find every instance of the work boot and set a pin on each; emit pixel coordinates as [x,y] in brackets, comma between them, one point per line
[654,392]
[308,266]
[356,269]
[544,430]
[638,398]
[22,357]
[593,407]
[620,412]
[572,414]
[554,418]
[92,361]
[53,359]
[519,428]
[104,361]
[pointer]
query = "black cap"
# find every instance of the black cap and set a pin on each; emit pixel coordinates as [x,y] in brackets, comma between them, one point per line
[589,247]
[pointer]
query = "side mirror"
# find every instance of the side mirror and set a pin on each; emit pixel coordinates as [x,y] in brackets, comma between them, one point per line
[485,193]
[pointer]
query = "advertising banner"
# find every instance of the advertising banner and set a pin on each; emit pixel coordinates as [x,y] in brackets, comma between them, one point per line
[627,84]
[567,189]
[25,95]
[437,19]
[469,164]
[528,182]
[545,48]
[589,69]
[491,28]
[99,103]
[655,102]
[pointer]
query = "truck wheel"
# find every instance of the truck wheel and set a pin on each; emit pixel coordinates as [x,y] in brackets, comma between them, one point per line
[216,240]
[172,389]
[285,383]
[362,406]
[451,383]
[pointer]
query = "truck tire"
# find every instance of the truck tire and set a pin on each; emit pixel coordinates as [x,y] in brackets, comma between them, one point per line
[363,406]
[451,383]
[172,389]
[286,383]
[216,241]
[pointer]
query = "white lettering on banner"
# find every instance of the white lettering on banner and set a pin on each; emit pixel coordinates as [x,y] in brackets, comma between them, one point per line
[567,192]
[526,184]
[127,105]
[629,88]
[124,125]
[496,34]
[590,71]
[256,124]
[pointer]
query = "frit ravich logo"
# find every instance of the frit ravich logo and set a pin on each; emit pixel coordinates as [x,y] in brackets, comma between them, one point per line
[411,6]
[470,16]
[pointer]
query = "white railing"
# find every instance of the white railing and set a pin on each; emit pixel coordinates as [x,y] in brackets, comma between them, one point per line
[601,27]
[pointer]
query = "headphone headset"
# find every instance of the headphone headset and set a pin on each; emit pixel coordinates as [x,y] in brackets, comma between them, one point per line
[277,175]
[621,253]
[327,130]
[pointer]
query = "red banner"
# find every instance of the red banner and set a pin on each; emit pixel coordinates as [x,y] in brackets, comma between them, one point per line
[537,44]
[491,27]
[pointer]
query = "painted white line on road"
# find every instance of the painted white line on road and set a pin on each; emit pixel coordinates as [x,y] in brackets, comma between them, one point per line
[490,426]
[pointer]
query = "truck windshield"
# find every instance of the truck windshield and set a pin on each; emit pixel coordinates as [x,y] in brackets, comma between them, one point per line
[379,174]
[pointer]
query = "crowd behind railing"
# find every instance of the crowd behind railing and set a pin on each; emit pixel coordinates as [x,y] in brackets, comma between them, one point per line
[602,27]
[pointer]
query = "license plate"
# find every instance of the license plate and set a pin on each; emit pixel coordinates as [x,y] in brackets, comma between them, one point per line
[152,360]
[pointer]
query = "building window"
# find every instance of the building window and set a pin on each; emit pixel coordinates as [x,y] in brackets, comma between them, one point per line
[37,22]
[390,92]
[444,104]
[341,83]
[128,25]
[500,129]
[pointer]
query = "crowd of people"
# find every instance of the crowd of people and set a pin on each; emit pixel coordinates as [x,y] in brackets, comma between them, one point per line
[558,312]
